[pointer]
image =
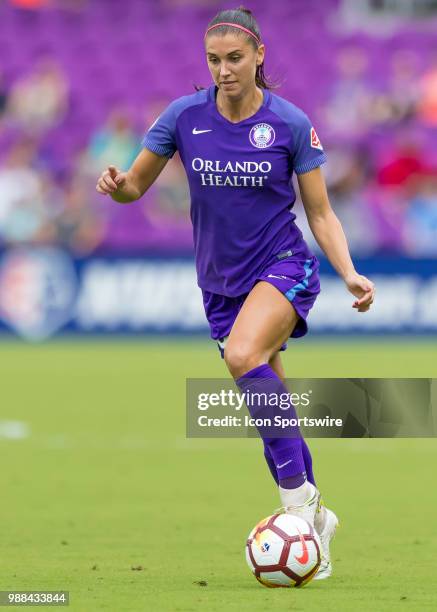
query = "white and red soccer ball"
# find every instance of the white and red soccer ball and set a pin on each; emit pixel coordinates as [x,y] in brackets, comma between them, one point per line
[283,551]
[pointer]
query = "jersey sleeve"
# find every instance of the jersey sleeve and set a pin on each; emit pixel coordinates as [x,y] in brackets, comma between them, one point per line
[161,136]
[307,152]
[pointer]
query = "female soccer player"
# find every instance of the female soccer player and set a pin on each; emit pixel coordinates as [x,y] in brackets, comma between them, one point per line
[240,144]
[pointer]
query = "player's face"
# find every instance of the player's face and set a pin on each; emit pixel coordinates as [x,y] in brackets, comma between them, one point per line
[233,61]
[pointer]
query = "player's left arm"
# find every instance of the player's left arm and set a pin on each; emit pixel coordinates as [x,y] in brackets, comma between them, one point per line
[330,236]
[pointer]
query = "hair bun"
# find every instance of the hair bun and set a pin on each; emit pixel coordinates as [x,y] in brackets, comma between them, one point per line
[243,9]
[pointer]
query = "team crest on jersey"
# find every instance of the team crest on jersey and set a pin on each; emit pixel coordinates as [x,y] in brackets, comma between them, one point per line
[315,142]
[262,135]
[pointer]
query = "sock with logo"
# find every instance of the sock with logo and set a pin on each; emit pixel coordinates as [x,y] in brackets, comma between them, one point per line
[290,484]
[285,454]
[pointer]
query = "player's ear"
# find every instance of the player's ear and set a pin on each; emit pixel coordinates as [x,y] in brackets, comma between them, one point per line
[260,55]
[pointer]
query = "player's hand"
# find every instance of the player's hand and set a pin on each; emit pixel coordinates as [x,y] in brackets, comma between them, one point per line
[111,181]
[363,289]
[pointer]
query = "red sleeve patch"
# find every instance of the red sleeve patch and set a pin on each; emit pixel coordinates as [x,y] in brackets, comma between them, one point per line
[315,142]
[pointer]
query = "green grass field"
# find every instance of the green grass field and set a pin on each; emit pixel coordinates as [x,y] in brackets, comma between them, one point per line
[104,481]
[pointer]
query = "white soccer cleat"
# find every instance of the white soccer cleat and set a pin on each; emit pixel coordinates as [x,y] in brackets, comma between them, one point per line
[326,531]
[307,510]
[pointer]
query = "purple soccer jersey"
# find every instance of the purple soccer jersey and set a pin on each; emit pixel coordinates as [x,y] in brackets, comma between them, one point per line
[240,183]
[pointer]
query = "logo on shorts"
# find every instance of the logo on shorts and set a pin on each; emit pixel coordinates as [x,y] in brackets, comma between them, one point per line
[277,276]
[262,135]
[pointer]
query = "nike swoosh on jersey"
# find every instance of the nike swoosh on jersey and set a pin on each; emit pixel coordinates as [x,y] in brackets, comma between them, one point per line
[196,131]
[279,466]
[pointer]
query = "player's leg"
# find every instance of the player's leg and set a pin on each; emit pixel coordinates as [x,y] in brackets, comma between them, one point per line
[325,521]
[276,364]
[263,324]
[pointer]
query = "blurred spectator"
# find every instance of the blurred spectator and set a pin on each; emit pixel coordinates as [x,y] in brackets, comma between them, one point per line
[172,198]
[394,186]
[39,100]
[347,175]
[420,227]
[403,90]
[30,4]
[34,209]
[21,202]
[3,95]
[347,110]
[116,143]
[428,100]
[406,160]
[75,223]
[3,100]
[39,4]
[398,101]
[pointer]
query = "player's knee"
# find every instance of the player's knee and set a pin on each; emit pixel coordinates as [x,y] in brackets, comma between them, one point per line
[241,358]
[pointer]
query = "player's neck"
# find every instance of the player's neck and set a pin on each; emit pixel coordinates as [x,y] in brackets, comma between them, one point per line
[236,110]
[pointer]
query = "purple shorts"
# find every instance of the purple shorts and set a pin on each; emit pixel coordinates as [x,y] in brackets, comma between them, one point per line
[297,279]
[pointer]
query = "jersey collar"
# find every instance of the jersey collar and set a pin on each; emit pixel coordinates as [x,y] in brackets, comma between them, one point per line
[212,97]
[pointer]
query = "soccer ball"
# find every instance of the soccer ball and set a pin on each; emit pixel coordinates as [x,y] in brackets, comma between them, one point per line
[283,551]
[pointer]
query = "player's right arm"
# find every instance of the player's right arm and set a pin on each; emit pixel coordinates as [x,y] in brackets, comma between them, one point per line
[125,187]
[159,145]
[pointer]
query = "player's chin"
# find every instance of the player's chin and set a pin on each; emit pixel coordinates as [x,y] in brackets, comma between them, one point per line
[232,89]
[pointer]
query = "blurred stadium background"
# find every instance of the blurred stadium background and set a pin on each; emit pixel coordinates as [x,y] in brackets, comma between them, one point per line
[81,80]
[92,454]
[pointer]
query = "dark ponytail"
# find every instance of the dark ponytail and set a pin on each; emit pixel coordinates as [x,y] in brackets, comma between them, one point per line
[243,17]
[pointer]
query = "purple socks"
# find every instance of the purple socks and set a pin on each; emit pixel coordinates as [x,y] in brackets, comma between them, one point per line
[288,458]
[308,462]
